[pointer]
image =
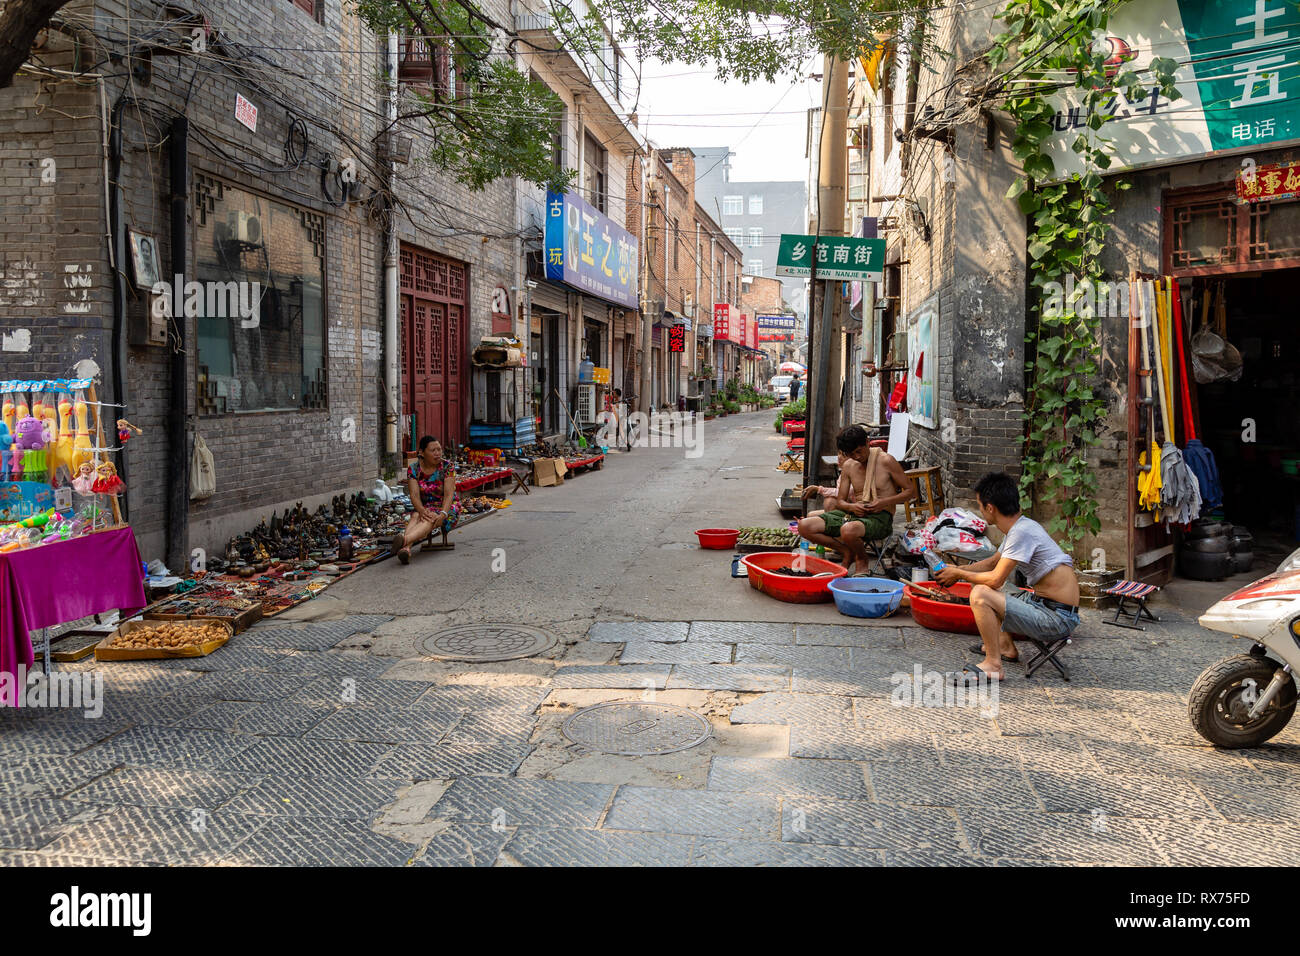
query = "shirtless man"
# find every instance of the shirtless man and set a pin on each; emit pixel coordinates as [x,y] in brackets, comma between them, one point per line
[1051,610]
[861,507]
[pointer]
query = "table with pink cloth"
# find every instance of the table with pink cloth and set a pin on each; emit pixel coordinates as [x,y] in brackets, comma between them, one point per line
[64,581]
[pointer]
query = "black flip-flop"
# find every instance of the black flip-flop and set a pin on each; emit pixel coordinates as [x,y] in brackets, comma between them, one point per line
[973,677]
[979,649]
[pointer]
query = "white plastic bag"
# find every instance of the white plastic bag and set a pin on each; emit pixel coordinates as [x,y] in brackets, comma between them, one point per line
[203,471]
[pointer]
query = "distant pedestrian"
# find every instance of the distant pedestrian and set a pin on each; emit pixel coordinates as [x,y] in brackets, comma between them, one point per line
[794,388]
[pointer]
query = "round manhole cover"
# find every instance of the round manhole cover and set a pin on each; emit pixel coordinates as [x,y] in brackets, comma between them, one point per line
[487,642]
[637,729]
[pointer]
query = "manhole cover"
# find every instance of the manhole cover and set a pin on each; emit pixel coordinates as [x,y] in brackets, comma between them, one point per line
[637,729]
[487,642]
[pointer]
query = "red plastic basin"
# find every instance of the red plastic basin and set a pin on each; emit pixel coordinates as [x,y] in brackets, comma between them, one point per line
[938,616]
[717,539]
[789,587]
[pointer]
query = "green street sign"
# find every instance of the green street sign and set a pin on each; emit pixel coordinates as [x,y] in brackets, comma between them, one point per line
[839,258]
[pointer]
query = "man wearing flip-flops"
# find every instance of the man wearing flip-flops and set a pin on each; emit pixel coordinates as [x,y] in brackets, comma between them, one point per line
[1050,610]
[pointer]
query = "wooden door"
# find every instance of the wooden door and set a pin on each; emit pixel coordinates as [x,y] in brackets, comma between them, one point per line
[433,337]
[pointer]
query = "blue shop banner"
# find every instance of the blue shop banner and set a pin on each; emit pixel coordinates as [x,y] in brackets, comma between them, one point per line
[778,322]
[589,251]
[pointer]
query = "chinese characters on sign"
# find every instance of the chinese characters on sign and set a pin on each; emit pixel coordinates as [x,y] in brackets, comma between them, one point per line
[744,329]
[589,251]
[1269,182]
[245,112]
[839,258]
[677,338]
[721,321]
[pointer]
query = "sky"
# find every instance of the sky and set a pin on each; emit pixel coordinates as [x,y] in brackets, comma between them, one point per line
[682,105]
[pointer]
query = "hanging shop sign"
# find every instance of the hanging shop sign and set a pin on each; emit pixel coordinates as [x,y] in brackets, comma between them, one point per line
[838,258]
[743,333]
[1238,78]
[1279,181]
[677,338]
[589,251]
[722,321]
[790,322]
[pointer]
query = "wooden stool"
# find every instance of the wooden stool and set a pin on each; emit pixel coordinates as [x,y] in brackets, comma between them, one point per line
[929,489]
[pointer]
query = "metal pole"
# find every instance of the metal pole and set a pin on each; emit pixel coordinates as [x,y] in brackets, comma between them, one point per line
[178,464]
[392,358]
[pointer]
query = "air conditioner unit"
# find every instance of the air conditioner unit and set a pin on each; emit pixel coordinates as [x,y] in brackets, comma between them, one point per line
[245,227]
[587,404]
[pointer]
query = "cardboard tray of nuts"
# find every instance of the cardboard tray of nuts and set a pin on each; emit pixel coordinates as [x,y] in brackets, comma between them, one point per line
[149,640]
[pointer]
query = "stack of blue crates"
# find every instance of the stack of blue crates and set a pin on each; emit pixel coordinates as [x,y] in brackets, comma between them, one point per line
[505,436]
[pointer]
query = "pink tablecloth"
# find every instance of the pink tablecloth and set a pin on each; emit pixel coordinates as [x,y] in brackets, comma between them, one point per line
[62,582]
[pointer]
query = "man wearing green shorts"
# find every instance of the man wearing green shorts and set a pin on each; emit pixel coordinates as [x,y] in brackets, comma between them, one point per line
[861,507]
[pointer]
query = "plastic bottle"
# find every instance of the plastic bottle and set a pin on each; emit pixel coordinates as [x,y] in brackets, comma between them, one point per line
[935,563]
[345,544]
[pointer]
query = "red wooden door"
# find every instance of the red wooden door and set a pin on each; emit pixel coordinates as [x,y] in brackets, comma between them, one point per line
[433,342]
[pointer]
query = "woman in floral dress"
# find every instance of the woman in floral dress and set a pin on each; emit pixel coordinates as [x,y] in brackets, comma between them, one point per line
[431,482]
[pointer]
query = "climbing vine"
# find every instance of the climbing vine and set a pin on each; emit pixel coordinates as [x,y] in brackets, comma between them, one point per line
[1062,52]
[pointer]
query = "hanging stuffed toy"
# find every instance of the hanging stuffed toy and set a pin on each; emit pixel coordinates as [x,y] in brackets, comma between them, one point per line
[124,430]
[81,447]
[84,483]
[106,480]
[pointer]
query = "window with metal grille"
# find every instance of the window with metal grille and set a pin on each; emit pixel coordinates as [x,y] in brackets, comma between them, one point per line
[595,162]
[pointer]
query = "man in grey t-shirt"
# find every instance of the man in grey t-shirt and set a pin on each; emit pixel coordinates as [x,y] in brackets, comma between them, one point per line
[1051,610]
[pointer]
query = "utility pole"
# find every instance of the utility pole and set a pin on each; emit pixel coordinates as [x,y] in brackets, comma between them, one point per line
[825,359]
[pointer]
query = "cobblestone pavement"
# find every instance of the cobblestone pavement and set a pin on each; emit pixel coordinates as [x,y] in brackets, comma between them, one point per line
[336,742]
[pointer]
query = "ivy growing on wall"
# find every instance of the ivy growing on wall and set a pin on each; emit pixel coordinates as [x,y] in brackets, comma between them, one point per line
[1062,53]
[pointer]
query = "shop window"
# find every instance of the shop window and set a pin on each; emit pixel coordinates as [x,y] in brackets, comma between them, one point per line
[261,321]
[1274,231]
[1205,233]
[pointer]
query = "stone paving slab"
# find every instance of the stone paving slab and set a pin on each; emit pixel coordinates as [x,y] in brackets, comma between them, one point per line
[39,858]
[1250,802]
[868,825]
[733,816]
[785,776]
[699,652]
[753,853]
[1083,837]
[562,847]
[932,784]
[33,823]
[293,841]
[385,725]
[464,844]
[160,712]
[334,664]
[1116,795]
[891,743]
[276,719]
[742,677]
[168,748]
[175,836]
[1215,843]
[139,787]
[68,736]
[613,676]
[319,795]
[793,655]
[451,760]
[845,635]
[512,801]
[248,685]
[789,708]
[622,632]
[47,775]
[371,691]
[1190,763]
[492,727]
[288,755]
[474,697]
[741,632]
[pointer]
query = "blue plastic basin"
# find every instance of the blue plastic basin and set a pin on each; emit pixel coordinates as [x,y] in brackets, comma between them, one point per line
[851,596]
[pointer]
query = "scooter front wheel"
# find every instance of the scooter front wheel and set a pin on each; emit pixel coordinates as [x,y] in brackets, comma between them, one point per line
[1223,695]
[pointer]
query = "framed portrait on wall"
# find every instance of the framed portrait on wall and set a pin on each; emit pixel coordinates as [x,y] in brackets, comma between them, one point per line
[145,261]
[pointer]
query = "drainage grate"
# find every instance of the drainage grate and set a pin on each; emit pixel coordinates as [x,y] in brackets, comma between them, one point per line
[637,729]
[487,642]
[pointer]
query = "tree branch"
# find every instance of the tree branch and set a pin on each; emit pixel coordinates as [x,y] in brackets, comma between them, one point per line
[20,21]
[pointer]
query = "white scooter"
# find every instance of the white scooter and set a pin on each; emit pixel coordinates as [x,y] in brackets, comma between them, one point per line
[1243,700]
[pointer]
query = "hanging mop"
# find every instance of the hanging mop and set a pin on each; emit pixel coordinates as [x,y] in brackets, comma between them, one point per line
[1200,460]
[1180,497]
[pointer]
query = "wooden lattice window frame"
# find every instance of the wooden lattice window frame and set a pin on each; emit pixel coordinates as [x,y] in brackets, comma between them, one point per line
[1242,225]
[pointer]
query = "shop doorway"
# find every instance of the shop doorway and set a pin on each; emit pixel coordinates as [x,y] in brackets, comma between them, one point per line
[551,376]
[434,334]
[1252,425]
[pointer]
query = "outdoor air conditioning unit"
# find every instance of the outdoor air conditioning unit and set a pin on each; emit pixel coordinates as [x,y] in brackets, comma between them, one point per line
[587,404]
[245,227]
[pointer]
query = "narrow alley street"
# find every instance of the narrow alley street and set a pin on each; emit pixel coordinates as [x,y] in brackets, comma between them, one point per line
[334,735]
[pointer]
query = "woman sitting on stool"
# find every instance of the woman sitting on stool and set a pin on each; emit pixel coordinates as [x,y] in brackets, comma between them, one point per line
[431,483]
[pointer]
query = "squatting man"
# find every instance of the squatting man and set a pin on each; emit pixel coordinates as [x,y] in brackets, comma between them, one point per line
[861,507]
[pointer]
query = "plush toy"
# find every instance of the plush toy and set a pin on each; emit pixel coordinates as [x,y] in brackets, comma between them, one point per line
[31,434]
[5,441]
